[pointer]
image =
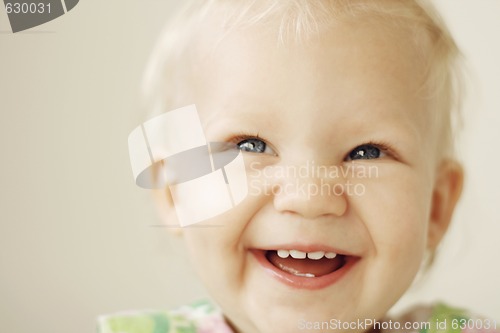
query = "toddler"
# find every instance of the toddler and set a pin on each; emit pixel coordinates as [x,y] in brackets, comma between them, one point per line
[340,117]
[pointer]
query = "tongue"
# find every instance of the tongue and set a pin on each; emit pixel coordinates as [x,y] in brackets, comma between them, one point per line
[305,267]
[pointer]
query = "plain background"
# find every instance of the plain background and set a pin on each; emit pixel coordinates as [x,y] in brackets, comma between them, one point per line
[77,236]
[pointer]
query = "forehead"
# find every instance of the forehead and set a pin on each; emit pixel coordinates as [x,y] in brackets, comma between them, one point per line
[349,63]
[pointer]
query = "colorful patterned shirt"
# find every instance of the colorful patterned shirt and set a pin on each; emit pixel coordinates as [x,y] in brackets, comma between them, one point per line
[203,317]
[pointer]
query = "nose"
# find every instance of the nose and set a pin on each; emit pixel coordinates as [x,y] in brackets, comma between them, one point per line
[310,196]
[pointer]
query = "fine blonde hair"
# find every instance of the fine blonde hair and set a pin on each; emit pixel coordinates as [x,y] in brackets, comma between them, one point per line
[168,76]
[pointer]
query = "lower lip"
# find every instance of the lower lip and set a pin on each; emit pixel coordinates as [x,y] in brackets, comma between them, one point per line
[302,282]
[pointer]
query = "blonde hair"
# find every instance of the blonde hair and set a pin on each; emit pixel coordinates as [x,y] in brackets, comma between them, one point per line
[166,83]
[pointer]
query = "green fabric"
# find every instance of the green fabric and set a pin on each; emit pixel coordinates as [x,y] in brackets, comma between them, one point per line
[445,316]
[442,317]
[184,320]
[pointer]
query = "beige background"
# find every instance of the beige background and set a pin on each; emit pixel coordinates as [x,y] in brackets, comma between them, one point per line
[75,232]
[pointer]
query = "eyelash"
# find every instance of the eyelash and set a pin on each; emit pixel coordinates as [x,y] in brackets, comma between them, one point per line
[244,136]
[382,146]
[238,138]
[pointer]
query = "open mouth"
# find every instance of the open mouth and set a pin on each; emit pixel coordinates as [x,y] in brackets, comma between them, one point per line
[306,264]
[314,269]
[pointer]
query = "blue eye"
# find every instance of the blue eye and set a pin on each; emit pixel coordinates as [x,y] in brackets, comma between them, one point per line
[252,145]
[364,152]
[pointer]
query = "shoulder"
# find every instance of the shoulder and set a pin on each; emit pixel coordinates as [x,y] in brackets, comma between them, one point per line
[200,317]
[443,318]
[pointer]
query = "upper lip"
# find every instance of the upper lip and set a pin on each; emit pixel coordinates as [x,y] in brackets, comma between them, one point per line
[307,248]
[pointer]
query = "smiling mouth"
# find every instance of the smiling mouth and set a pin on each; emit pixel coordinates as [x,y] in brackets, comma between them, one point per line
[306,264]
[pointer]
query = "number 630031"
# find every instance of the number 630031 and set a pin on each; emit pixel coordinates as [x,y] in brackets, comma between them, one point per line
[27,8]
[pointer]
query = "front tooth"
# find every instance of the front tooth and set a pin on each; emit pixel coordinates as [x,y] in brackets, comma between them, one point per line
[297,254]
[316,255]
[330,255]
[283,253]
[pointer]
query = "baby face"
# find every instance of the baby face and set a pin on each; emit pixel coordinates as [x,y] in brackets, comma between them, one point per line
[345,100]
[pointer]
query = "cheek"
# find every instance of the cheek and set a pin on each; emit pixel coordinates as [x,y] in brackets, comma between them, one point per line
[199,249]
[395,210]
[206,251]
[208,244]
[219,242]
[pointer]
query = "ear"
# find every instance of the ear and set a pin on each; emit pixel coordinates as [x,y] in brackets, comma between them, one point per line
[447,190]
[166,210]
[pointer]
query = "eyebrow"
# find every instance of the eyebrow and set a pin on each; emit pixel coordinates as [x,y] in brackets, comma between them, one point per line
[225,114]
